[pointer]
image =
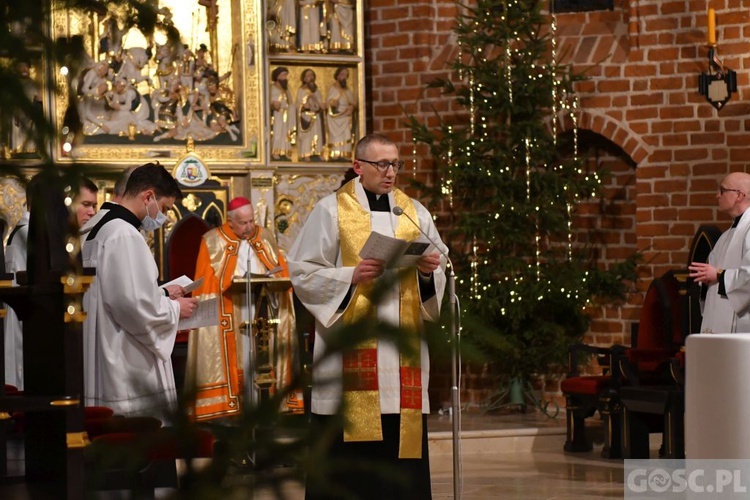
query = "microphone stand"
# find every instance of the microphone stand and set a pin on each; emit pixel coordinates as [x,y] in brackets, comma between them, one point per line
[250,379]
[455,338]
[455,394]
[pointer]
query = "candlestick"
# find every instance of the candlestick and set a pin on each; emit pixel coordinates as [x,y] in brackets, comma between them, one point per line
[711,26]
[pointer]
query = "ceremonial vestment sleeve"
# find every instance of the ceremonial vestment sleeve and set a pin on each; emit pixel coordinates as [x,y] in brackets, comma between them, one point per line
[737,280]
[130,294]
[204,269]
[431,307]
[315,266]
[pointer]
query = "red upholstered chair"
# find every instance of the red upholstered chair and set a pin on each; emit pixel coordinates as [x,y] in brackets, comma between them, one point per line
[182,252]
[11,390]
[143,461]
[587,394]
[658,336]
[655,341]
[652,398]
[183,244]
[96,427]
[90,413]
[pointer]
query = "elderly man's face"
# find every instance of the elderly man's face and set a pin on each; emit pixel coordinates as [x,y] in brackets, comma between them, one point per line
[242,222]
[85,204]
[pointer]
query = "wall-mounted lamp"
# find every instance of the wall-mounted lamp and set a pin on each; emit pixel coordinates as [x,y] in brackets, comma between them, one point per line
[719,83]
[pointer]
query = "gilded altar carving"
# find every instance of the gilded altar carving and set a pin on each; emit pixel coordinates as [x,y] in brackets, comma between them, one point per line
[139,97]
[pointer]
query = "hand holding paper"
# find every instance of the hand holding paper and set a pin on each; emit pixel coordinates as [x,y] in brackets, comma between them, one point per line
[393,251]
[205,314]
[181,287]
[427,263]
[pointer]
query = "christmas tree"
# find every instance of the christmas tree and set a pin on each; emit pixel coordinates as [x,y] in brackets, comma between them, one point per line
[511,186]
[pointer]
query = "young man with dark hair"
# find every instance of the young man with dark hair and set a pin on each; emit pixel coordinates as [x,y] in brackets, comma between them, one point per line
[131,325]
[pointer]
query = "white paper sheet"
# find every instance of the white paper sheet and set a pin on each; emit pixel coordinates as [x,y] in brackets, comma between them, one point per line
[206,314]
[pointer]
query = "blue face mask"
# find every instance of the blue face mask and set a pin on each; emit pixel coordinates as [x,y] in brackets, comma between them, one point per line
[152,224]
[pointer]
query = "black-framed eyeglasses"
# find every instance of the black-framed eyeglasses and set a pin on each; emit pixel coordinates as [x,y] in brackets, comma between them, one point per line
[383,165]
[723,190]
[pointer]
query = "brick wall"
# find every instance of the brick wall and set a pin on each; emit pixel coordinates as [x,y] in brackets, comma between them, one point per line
[667,146]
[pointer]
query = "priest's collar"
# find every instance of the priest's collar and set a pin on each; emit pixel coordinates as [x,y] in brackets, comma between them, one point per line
[115,212]
[737,219]
[377,202]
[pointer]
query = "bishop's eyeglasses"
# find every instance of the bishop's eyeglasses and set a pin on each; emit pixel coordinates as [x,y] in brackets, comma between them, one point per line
[383,165]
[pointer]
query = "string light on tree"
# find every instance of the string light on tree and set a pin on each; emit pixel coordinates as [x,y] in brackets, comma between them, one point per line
[511,185]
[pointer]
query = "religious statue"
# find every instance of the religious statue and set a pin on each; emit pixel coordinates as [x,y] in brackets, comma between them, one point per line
[93,86]
[341,26]
[310,106]
[342,107]
[282,25]
[283,116]
[311,27]
[127,113]
[223,117]
[212,21]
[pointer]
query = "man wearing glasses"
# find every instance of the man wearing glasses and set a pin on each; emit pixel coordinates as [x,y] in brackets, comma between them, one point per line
[727,273]
[382,380]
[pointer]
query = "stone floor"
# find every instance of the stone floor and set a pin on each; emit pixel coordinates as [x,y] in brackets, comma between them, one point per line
[508,455]
[519,456]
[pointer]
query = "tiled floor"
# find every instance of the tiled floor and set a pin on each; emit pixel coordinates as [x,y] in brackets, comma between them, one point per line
[510,456]
[496,465]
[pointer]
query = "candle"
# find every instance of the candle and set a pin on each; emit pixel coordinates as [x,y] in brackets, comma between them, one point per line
[711,26]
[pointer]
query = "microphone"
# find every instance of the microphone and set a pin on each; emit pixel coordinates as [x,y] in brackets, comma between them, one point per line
[400,211]
[455,358]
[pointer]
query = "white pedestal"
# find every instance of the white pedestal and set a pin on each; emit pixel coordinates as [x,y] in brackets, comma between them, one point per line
[717,396]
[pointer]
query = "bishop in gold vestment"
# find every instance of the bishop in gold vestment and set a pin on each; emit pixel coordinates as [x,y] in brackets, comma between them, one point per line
[219,355]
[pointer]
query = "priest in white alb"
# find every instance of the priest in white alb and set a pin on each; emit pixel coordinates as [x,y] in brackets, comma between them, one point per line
[727,272]
[383,388]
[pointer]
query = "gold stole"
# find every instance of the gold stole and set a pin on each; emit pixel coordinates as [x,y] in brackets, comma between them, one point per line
[360,371]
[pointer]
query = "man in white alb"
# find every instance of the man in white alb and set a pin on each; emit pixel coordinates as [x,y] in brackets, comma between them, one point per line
[727,273]
[383,388]
[131,323]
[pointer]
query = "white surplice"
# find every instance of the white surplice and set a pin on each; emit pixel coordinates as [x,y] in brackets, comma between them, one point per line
[130,328]
[730,313]
[15,261]
[321,283]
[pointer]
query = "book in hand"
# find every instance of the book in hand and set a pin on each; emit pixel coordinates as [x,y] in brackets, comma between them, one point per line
[394,252]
